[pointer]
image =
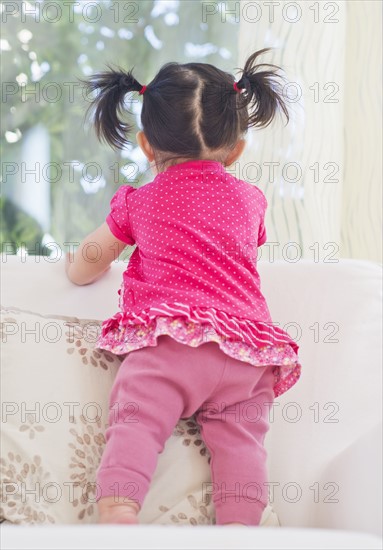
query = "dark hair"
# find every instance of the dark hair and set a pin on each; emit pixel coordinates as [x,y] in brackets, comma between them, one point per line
[188,108]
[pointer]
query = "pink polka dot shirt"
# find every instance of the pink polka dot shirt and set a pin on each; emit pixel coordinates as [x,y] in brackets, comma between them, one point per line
[193,274]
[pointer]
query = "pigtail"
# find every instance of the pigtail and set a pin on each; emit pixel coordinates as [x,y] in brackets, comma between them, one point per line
[107,106]
[262,96]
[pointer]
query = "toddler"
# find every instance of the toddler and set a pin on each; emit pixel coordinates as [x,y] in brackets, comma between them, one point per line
[193,327]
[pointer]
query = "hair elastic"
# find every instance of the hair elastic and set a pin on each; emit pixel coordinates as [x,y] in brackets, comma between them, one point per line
[236,88]
[142,90]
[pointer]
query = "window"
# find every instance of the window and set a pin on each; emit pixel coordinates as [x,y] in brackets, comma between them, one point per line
[57,178]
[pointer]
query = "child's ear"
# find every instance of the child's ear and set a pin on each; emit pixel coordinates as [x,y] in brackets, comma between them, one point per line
[145,145]
[236,152]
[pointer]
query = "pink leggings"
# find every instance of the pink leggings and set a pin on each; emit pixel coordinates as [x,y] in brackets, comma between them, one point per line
[155,387]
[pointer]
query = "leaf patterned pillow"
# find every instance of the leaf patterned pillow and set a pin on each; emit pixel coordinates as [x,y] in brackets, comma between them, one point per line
[55,397]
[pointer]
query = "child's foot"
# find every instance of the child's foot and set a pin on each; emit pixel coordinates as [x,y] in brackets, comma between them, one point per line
[114,510]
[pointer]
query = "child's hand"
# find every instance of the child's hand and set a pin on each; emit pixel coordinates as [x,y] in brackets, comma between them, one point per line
[86,265]
[69,258]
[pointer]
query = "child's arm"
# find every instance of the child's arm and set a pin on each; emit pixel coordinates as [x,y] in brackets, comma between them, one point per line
[94,256]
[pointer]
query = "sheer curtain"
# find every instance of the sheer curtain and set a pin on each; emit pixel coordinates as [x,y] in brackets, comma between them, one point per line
[321,173]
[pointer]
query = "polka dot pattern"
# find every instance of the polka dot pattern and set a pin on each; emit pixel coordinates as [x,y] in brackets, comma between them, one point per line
[197,229]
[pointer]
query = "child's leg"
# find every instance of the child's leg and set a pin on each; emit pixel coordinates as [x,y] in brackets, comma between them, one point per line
[234,433]
[144,409]
[153,389]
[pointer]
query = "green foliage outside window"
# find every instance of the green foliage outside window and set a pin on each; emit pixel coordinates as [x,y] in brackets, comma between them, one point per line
[45,55]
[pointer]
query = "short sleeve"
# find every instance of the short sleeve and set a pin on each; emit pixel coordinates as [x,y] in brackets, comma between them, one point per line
[262,237]
[118,217]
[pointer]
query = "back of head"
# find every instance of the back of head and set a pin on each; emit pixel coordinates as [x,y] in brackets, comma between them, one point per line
[191,110]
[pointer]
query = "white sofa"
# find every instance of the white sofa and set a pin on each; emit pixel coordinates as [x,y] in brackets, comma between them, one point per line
[324,445]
